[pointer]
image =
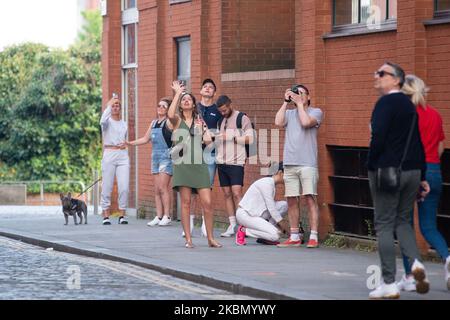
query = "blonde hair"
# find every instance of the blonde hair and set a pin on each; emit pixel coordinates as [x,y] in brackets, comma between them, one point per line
[415,89]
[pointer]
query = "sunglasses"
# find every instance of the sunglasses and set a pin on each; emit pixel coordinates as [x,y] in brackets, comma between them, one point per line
[163,106]
[382,73]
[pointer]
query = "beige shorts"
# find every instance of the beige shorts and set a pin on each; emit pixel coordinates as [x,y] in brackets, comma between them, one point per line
[299,180]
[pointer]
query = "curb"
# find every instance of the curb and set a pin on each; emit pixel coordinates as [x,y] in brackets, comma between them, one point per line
[200,279]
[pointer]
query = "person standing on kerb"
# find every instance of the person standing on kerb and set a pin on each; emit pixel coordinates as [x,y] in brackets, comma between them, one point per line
[115,161]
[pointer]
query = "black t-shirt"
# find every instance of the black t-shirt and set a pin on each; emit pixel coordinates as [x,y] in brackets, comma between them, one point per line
[210,115]
[167,133]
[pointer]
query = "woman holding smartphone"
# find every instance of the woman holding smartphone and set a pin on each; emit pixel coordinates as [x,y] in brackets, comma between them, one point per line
[160,136]
[190,172]
[115,161]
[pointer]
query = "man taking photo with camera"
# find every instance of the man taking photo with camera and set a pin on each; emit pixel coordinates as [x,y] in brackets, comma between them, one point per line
[301,173]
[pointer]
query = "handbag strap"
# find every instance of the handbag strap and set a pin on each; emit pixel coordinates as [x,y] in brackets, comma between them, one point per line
[409,139]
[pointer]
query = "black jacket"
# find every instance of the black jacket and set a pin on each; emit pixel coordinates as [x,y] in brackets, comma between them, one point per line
[391,122]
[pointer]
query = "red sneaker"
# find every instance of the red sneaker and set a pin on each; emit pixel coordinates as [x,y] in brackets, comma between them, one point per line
[289,243]
[312,243]
[240,237]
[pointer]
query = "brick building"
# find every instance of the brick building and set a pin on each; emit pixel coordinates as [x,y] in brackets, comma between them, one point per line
[254,50]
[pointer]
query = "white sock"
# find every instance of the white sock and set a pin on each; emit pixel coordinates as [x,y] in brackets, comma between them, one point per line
[233,221]
[313,235]
[295,237]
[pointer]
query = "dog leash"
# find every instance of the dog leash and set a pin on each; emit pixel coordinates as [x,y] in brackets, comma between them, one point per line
[90,186]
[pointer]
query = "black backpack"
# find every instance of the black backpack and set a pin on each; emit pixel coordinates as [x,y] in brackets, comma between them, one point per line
[250,148]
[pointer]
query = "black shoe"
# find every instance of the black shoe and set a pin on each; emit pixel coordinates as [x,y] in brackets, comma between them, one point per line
[123,220]
[267,242]
[106,221]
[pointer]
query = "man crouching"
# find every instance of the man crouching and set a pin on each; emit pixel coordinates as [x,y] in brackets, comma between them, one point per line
[259,215]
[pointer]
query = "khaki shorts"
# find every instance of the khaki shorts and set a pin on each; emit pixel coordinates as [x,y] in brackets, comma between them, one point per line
[299,180]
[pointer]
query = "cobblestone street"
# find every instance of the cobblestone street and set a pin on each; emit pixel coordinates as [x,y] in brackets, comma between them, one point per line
[30,272]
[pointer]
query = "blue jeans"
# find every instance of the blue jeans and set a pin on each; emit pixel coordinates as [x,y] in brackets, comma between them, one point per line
[427,215]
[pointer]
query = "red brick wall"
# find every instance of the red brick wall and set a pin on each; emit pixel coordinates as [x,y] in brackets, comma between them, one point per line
[338,71]
[257,35]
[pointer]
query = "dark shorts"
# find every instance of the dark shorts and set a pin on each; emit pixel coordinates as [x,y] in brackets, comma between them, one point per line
[230,175]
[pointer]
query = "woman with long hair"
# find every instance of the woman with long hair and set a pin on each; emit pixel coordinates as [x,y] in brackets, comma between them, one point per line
[190,171]
[160,135]
[432,135]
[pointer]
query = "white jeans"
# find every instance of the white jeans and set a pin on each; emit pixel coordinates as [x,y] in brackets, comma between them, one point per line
[115,163]
[263,226]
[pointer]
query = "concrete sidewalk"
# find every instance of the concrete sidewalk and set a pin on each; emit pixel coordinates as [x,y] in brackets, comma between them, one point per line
[255,270]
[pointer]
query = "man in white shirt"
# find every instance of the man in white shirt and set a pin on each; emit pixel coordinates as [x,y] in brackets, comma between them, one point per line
[259,215]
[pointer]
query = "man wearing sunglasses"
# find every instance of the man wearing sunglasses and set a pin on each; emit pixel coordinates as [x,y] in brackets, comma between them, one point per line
[393,117]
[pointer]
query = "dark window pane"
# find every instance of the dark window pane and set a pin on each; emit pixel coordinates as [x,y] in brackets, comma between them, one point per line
[442,5]
[346,12]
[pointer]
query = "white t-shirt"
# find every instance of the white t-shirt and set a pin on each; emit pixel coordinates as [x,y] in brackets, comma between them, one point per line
[114,132]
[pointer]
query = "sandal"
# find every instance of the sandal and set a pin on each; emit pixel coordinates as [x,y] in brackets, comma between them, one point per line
[189,245]
[214,244]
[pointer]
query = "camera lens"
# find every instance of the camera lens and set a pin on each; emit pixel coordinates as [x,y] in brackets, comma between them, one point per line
[294,89]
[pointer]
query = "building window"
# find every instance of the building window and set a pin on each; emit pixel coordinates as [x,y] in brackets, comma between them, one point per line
[127,4]
[184,60]
[363,11]
[130,38]
[130,20]
[442,9]
[178,1]
[442,5]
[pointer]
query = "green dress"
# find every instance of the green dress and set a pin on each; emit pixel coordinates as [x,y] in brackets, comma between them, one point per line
[190,170]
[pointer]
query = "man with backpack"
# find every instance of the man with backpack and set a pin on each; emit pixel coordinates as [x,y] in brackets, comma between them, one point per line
[235,132]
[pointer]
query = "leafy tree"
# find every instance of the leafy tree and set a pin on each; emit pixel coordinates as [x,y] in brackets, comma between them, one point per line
[50,102]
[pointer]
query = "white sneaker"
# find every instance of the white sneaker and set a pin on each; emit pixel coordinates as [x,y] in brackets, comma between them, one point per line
[407,283]
[165,221]
[447,272]
[422,283]
[385,291]
[229,232]
[154,222]
[204,234]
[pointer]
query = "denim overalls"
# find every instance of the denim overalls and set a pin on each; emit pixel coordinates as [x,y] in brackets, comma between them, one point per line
[161,161]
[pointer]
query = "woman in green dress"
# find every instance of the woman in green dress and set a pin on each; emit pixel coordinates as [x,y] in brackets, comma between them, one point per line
[190,171]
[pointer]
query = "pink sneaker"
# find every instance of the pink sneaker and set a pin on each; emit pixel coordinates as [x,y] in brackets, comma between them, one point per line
[240,237]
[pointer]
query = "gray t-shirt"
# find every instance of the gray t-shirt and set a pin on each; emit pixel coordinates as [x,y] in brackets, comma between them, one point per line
[300,144]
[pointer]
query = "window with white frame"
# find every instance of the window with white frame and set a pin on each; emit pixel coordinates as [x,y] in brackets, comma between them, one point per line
[130,19]
[184,60]
[127,4]
[347,12]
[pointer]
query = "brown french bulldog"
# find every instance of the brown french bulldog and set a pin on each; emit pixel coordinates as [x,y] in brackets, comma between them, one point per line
[73,207]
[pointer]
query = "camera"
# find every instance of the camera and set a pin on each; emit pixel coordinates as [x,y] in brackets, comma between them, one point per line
[294,89]
[115,95]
